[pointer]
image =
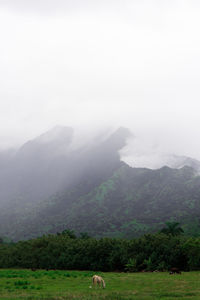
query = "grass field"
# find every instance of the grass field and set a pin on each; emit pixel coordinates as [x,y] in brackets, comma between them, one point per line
[27,284]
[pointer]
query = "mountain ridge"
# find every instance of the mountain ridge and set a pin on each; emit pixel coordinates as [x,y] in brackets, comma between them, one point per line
[90,189]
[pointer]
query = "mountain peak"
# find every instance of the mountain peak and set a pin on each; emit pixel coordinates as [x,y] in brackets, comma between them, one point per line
[56,133]
[52,142]
[118,139]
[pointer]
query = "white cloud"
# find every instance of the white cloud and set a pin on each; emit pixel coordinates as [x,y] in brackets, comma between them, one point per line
[131,63]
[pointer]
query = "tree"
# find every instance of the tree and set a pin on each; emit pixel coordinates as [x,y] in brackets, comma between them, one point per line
[70,233]
[192,252]
[172,228]
[84,236]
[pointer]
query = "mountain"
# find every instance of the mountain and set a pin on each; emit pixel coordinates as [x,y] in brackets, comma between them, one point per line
[178,162]
[36,170]
[50,164]
[88,189]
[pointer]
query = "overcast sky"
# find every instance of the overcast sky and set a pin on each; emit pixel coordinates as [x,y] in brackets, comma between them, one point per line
[101,63]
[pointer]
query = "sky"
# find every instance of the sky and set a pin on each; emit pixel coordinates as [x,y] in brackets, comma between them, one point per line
[91,64]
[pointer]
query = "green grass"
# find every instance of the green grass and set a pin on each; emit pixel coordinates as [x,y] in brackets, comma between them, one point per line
[61,285]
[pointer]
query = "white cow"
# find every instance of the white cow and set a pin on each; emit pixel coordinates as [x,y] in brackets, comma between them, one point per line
[98,280]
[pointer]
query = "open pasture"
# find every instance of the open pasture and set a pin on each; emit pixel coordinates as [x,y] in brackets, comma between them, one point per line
[51,285]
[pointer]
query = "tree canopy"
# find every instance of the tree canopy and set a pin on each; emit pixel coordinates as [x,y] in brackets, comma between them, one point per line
[172,228]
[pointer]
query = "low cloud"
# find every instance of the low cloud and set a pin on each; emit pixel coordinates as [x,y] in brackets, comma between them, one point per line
[93,65]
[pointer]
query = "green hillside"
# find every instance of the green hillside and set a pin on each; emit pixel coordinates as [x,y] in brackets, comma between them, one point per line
[135,201]
[129,203]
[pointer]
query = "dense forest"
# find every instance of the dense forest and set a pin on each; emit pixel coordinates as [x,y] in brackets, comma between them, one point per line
[131,202]
[160,251]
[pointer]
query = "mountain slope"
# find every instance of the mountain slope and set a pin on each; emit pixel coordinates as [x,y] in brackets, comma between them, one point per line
[129,203]
[50,164]
[89,189]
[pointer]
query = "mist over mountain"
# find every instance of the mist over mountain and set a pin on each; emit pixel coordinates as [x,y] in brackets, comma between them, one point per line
[48,164]
[93,64]
[55,181]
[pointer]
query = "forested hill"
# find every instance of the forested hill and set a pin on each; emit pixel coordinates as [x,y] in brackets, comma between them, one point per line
[129,203]
[97,193]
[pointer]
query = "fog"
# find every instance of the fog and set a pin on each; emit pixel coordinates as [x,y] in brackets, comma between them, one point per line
[103,64]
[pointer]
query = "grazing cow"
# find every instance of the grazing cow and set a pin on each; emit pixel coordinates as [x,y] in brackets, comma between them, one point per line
[174,270]
[98,280]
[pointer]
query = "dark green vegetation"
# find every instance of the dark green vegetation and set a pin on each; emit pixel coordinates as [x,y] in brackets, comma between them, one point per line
[172,228]
[62,285]
[130,203]
[91,190]
[66,251]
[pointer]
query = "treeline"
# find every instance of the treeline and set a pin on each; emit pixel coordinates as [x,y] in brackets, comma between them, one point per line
[66,251]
